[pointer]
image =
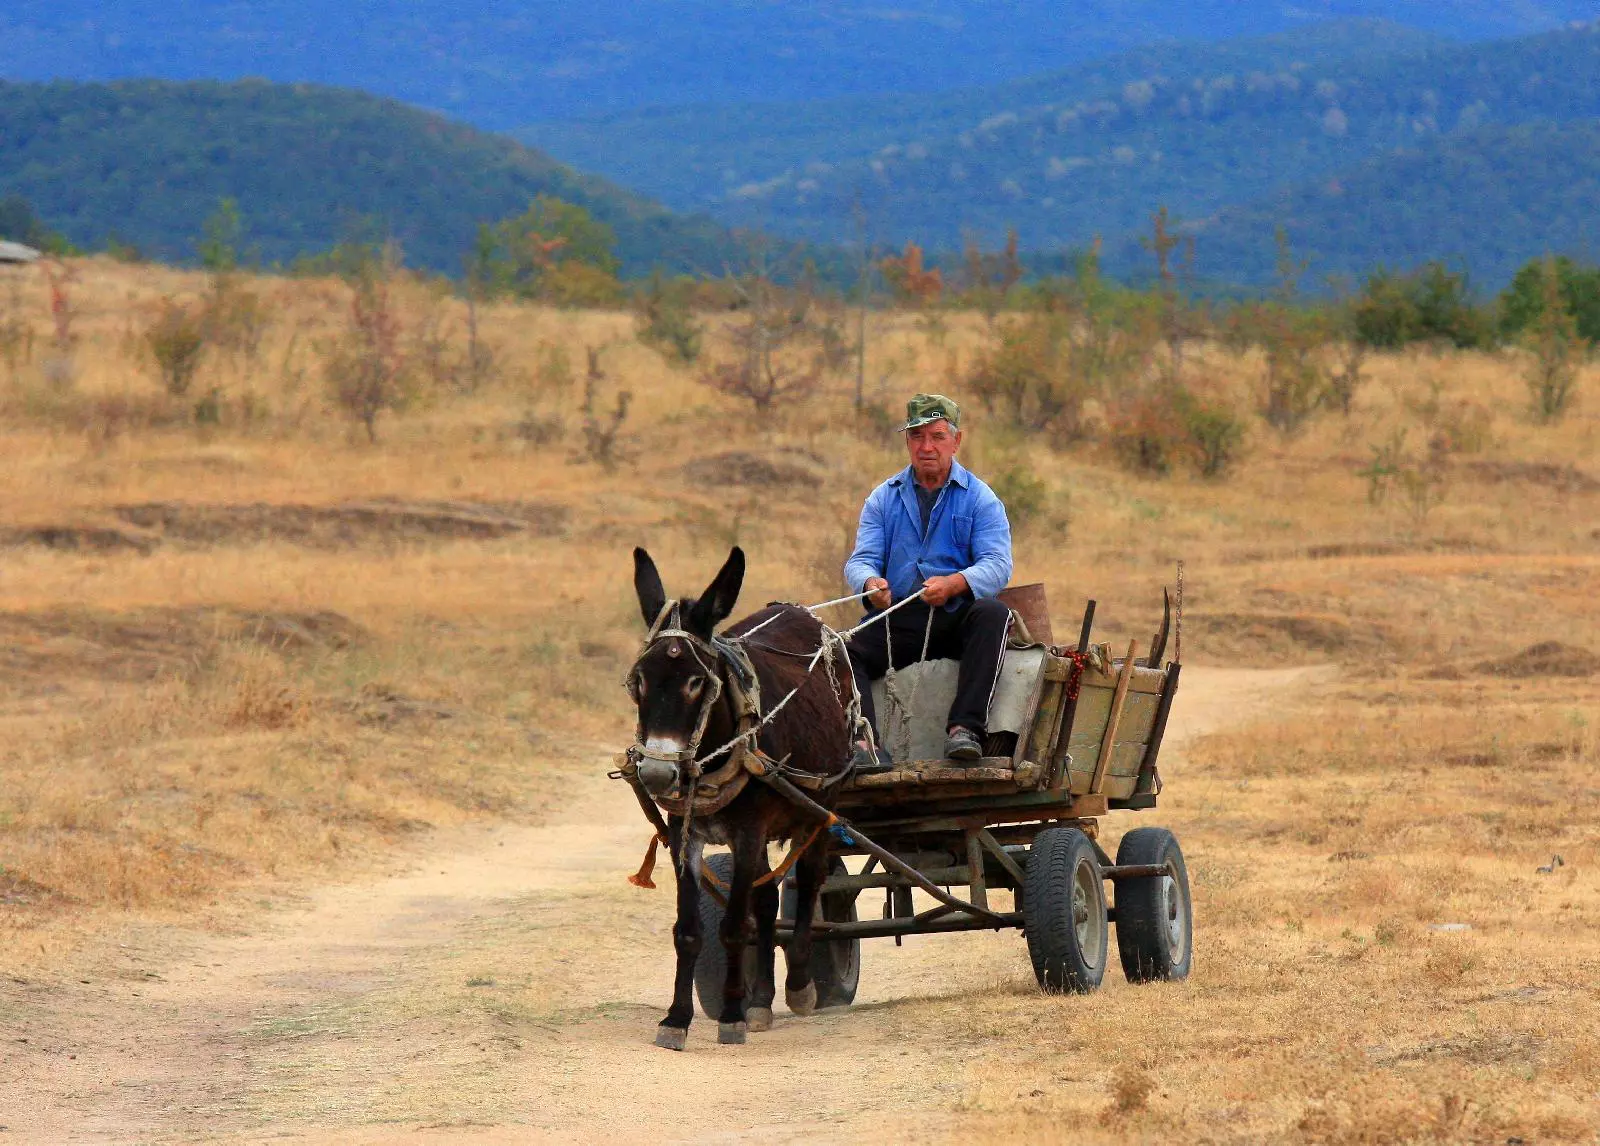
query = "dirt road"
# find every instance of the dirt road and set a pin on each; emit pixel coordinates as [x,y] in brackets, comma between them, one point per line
[506,989]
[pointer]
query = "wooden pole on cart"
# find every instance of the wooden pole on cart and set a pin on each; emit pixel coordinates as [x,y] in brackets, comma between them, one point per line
[1055,754]
[1108,744]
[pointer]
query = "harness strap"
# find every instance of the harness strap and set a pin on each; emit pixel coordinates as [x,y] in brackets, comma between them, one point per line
[715,884]
[641,878]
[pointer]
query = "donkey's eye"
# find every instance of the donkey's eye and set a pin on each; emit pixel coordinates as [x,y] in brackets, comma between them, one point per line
[694,686]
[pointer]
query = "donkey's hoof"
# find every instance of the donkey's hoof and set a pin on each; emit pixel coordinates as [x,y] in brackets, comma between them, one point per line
[802,1002]
[758,1019]
[672,1038]
[731,1033]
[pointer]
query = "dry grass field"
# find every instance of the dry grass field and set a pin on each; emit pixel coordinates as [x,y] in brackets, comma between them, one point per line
[250,659]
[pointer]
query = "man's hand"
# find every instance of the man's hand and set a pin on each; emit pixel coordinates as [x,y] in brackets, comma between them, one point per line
[880,598]
[938,590]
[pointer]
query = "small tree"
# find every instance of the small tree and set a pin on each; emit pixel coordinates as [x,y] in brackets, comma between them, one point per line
[16,333]
[176,341]
[1176,315]
[365,370]
[1080,341]
[779,348]
[220,236]
[665,320]
[909,280]
[554,251]
[1557,351]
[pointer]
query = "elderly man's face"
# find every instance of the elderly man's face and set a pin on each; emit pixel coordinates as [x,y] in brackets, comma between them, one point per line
[932,447]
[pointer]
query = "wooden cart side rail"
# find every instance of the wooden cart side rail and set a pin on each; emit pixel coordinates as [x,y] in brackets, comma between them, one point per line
[979,811]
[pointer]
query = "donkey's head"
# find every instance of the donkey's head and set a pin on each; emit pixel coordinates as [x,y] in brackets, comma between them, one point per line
[677,679]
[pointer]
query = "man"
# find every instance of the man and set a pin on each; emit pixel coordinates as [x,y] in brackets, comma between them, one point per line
[937,532]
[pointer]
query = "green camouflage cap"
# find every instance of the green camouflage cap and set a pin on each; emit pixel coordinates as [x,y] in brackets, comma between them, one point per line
[925,408]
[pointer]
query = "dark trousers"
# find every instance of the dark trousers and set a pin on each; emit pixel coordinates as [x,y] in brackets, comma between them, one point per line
[974,634]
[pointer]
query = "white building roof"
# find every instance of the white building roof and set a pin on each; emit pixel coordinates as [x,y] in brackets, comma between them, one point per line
[16,252]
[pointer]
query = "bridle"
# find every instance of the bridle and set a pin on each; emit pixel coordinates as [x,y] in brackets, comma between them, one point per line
[669,626]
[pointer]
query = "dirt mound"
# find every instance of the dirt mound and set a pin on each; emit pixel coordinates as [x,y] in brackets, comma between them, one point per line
[1561,478]
[78,539]
[1548,658]
[342,526]
[1333,550]
[1270,638]
[736,467]
[17,890]
[143,528]
[56,644]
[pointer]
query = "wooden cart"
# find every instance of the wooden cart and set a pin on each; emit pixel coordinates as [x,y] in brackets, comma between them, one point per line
[1072,736]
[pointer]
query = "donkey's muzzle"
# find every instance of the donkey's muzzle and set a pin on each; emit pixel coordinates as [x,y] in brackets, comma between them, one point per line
[658,776]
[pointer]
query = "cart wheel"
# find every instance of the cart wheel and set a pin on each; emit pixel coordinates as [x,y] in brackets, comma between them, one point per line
[1064,912]
[711,966]
[1155,924]
[835,967]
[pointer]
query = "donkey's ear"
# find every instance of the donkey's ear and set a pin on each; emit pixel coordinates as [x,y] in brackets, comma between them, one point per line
[647,583]
[720,596]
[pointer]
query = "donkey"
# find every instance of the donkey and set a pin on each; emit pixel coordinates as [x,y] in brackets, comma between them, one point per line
[671,686]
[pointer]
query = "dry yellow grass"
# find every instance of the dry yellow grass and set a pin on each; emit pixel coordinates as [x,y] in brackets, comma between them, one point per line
[192,717]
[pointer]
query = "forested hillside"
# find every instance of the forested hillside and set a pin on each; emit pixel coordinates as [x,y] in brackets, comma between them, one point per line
[1487,201]
[1208,142]
[712,157]
[499,63]
[145,162]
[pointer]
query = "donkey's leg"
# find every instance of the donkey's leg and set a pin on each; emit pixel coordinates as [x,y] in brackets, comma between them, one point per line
[765,899]
[798,989]
[749,848]
[673,1033]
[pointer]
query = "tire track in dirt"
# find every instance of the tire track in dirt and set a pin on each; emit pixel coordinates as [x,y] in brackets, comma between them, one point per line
[506,989]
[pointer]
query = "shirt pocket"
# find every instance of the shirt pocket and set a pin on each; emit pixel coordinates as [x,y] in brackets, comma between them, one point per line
[961,529]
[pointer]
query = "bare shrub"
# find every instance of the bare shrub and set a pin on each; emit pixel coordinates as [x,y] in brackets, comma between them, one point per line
[1156,431]
[600,431]
[60,278]
[553,368]
[432,350]
[16,333]
[481,363]
[665,321]
[1025,494]
[59,370]
[778,349]
[364,368]
[1556,352]
[1131,1088]
[1416,481]
[1146,434]
[1029,377]
[1294,383]
[1083,340]
[234,319]
[1215,431]
[176,341]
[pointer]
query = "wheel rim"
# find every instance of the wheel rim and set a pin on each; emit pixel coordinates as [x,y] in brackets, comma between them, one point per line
[1087,919]
[1177,916]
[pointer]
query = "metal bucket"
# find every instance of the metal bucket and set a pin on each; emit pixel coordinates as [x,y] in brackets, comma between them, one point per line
[1028,602]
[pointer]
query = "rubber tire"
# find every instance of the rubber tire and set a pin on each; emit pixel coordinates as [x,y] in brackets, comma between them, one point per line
[835,967]
[711,967]
[1149,950]
[1060,962]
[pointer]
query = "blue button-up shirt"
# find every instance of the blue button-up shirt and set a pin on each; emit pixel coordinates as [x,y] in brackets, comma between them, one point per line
[968,534]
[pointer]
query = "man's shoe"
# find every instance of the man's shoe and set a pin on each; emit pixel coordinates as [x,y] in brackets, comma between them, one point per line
[868,763]
[963,744]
